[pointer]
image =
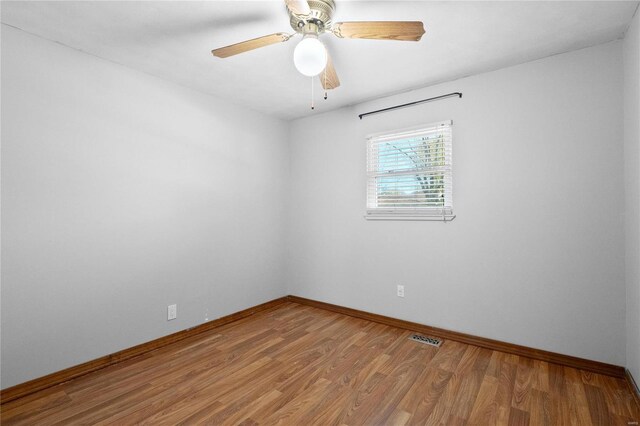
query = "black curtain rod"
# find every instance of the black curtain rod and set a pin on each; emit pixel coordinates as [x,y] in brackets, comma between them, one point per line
[448,95]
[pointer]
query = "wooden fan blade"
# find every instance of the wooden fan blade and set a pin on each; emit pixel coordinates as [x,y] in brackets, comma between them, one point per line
[380,30]
[298,7]
[328,77]
[245,46]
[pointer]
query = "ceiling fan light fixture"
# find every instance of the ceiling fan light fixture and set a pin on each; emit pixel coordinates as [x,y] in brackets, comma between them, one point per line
[310,56]
[311,18]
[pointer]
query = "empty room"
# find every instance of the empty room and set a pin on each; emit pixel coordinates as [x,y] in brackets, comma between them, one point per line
[327,212]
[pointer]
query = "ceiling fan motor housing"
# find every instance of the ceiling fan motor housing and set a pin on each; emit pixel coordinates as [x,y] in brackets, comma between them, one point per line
[320,16]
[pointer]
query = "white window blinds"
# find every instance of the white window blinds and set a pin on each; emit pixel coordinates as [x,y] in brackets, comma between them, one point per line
[409,173]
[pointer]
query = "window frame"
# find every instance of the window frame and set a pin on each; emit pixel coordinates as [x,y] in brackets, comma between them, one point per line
[429,213]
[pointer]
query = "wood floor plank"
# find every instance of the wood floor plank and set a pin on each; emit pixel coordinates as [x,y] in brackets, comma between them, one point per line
[522,388]
[540,409]
[518,417]
[399,418]
[485,410]
[620,403]
[245,412]
[32,408]
[470,386]
[560,411]
[298,364]
[404,378]
[600,414]
[556,379]
[540,377]
[347,401]
[578,404]
[295,408]
[442,410]
[425,394]
[504,393]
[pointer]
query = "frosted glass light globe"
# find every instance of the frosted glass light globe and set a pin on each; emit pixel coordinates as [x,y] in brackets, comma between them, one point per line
[310,56]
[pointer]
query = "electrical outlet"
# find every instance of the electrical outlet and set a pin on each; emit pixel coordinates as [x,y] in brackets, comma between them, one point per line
[400,291]
[172,312]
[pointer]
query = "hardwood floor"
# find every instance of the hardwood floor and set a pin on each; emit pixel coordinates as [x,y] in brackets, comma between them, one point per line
[302,365]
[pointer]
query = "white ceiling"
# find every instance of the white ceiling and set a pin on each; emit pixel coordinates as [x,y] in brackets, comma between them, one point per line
[173,40]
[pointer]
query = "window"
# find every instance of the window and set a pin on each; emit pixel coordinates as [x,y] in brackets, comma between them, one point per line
[409,174]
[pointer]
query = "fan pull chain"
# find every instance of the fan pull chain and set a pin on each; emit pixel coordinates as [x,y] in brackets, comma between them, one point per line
[312,104]
[325,83]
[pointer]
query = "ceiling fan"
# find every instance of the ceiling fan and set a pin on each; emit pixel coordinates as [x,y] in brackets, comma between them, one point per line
[312,18]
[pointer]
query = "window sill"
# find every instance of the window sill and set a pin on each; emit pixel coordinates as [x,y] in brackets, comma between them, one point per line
[440,218]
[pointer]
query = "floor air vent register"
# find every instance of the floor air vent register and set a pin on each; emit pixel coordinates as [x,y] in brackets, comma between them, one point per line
[432,341]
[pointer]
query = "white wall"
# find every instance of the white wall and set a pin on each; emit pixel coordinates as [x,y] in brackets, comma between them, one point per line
[536,254]
[121,194]
[632,191]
